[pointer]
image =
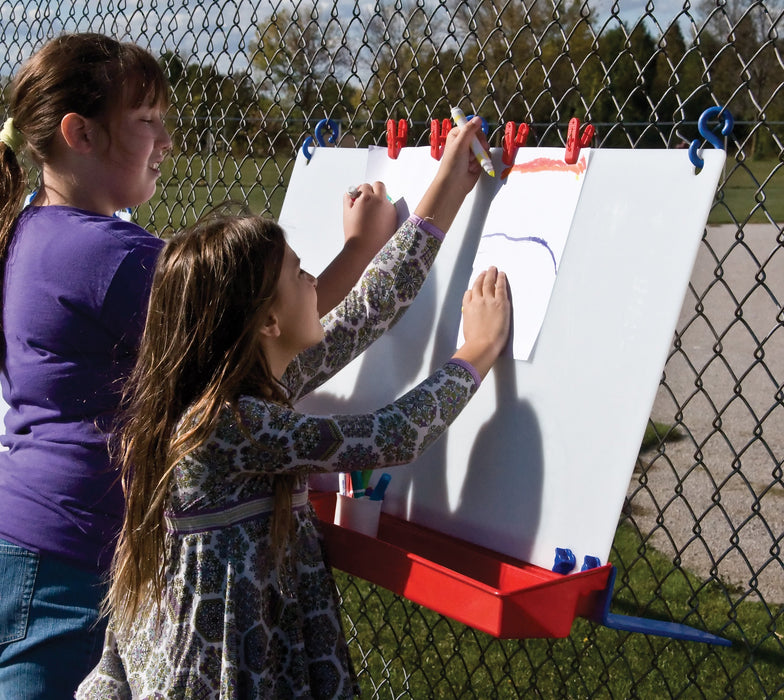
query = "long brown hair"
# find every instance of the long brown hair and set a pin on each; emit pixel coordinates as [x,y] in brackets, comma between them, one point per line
[90,74]
[200,351]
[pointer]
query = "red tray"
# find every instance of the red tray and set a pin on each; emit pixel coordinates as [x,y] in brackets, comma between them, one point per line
[502,596]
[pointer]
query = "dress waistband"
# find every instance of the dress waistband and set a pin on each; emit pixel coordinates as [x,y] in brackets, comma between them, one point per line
[214,520]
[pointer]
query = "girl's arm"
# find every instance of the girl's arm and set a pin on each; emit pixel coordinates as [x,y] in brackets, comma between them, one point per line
[378,301]
[386,289]
[369,220]
[277,439]
[395,434]
[285,440]
[456,176]
[235,465]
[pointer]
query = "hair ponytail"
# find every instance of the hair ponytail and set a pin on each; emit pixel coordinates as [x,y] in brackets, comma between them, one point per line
[13,185]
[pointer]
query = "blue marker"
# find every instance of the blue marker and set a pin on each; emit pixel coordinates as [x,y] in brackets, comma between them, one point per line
[380,487]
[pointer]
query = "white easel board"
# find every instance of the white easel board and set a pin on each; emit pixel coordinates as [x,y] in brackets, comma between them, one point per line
[312,211]
[543,454]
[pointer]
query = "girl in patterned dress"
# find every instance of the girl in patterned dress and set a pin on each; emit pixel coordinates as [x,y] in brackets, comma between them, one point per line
[220,588]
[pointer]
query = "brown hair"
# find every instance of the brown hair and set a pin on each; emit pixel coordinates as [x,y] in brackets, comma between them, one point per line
[90,74]
[199,352]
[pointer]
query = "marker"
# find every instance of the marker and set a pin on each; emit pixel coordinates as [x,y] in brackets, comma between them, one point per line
[354,193]
[476,147]
[380,487]
[343,484]
[357,490]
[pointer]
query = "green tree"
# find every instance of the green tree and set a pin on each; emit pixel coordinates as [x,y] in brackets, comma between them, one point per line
[744,66]
[530,62]
[213,112]
[629,64]
[197,96]
[506,71]
[303,68]
[414,70]
[675,89]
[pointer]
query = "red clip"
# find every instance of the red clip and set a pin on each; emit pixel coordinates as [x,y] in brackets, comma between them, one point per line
[512,141]
[574,141]
[397,135]
[438,132]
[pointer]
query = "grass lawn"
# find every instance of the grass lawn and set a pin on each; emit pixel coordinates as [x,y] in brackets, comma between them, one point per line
[191,186]
[751,191]
[403,650]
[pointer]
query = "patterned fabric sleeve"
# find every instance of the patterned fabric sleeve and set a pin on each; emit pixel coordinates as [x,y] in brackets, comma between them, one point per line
[374,305]
[285,440]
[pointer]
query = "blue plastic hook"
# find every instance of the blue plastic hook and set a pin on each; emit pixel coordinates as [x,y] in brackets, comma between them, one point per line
[485,127]
[333,127]
[708,134]
[705,130]
[307,147]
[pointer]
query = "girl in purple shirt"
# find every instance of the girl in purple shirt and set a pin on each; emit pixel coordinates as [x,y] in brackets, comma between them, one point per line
[89,111]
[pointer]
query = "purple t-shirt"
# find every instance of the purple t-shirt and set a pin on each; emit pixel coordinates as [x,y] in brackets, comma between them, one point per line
[74,301]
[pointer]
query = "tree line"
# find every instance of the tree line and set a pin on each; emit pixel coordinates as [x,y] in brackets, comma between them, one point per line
[643,85]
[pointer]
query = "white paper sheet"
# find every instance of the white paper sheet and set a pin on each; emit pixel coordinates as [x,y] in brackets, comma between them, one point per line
[525,234]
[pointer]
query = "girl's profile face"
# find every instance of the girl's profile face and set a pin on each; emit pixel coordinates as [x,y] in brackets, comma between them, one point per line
[137,141]
[295,306]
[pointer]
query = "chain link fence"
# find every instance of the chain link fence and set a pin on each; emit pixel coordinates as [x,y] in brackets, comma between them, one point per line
[699,540]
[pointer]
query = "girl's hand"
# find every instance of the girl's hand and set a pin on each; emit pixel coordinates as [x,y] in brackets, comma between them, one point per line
[369,219]
[458,172]
[486,320]
[459,166]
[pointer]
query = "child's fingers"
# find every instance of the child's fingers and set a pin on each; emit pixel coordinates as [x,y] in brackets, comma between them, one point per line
[485,283]
[489,282]
[366,190]
[476,124]
[501,285]
[490,285]
[479,282]
[468,131]
[379,188]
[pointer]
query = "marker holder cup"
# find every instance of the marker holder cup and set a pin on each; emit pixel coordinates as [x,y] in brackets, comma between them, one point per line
[358,514]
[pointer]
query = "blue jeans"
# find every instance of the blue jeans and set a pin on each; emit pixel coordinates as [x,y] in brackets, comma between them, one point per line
[49,639]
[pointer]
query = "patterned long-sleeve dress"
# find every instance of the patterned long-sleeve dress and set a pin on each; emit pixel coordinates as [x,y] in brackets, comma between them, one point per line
[233,624]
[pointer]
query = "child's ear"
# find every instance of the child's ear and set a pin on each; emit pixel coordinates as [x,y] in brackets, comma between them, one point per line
[77,132]
[270,328]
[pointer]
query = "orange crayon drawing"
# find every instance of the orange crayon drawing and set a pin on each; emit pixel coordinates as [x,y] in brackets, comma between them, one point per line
[552,165]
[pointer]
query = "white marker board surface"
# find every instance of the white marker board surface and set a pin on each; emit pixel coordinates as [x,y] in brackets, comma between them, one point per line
[542,456]
[312,211]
